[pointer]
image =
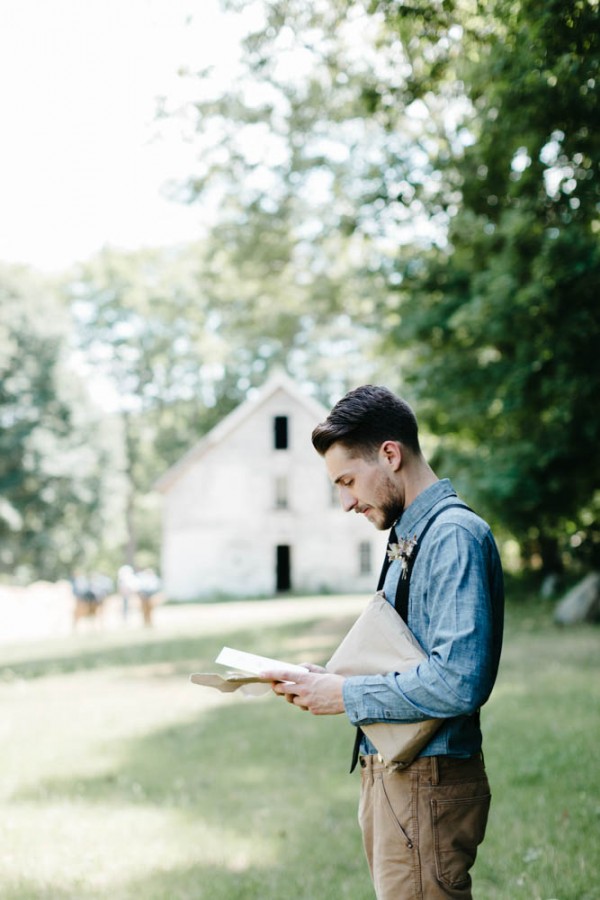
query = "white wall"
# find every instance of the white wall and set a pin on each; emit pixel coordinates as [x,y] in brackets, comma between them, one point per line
[221,527]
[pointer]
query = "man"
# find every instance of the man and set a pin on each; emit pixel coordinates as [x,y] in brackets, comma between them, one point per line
[422,824]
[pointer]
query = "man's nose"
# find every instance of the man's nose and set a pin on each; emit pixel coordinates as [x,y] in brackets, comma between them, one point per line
[347,500]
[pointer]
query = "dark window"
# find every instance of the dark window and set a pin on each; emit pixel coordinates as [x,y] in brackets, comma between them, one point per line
[281,492]
[364,554]
[284,568]
[281,432]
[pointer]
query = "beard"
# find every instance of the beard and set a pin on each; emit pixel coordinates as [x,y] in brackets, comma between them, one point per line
[390,507]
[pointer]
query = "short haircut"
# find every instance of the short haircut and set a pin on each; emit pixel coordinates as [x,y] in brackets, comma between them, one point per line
[364,419]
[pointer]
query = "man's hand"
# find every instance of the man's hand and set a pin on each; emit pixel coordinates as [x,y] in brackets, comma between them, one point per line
[316,691]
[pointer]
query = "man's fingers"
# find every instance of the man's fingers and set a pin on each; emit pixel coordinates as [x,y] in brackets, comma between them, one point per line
[291,698]
[283,675]
[284,683]
[282,688]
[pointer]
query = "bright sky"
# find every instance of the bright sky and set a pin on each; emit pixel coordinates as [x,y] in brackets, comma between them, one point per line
[81,165]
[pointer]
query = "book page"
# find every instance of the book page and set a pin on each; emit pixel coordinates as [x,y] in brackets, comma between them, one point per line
[250,662]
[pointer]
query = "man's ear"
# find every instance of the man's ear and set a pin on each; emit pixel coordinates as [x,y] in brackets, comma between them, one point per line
[391,454]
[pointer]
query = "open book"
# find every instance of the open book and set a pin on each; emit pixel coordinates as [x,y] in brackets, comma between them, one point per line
[247,666]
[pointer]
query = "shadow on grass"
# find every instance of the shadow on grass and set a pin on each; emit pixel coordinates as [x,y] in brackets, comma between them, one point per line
[336,881]
[540,733]
[222,763]
[250,772]
[198,651]
[332,881]
[87,659]
[259,771]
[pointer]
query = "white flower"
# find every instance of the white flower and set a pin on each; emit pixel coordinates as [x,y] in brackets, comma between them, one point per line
[402,551]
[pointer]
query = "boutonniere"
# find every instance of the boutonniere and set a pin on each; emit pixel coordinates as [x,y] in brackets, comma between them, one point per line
[402,551]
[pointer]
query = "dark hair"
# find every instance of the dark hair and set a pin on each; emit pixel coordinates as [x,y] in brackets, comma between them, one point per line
[364,419]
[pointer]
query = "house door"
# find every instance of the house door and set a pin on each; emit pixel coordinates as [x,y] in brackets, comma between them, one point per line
[284,570]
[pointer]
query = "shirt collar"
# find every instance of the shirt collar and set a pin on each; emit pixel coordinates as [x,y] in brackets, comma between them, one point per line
[419,509]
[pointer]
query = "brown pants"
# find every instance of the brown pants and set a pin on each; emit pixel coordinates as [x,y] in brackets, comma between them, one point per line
[422,825]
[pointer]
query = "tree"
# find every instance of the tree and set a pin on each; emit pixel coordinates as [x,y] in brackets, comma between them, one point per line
[505,318]
[319,160]
[144,332]
[49,475]
[180,336]
[438,158]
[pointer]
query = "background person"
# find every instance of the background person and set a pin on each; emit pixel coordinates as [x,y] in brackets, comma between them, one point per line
[127,586]
[148,585]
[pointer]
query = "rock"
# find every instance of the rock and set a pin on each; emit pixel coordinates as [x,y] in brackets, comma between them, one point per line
[550,586]
[581,603]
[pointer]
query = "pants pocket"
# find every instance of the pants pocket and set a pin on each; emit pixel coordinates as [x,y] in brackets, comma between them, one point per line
[397,804]
[458,826]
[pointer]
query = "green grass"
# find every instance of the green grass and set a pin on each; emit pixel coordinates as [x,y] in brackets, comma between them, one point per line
[120,779]
[541,739]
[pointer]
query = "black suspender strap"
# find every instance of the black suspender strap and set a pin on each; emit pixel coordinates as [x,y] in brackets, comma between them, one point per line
[402,589]
[402,592]
[386,562]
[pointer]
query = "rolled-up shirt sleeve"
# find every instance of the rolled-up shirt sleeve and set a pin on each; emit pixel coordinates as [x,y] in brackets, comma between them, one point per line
[452,618]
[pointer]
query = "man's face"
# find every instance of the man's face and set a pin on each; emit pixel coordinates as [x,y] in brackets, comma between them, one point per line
[365,485]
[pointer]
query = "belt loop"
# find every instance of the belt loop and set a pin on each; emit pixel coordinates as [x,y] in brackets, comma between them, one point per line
[435,771]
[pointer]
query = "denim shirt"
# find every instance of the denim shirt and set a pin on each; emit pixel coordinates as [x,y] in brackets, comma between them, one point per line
[456,606]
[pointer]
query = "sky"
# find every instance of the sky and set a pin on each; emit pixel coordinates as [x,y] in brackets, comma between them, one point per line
[83,163]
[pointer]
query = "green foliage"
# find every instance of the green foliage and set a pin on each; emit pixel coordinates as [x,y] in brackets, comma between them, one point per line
[445,153]
[145,328]
[504,320]
[50,480]
[181,335]
[310,159]
[399,192]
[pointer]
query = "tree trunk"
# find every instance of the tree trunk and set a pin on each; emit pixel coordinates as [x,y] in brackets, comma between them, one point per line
[130,529]
[552,563]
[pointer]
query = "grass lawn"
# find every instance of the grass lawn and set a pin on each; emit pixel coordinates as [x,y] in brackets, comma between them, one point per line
[119,779]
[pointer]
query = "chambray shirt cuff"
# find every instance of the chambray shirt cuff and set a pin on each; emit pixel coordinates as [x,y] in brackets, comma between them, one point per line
[356,699]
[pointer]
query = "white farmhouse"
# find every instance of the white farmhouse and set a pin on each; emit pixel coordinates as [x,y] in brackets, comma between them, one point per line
[249,511]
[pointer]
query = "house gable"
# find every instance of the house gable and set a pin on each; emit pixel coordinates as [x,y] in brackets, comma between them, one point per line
[250,510]
[279,384]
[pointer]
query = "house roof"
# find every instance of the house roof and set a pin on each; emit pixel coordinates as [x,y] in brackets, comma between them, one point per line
[279,380]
